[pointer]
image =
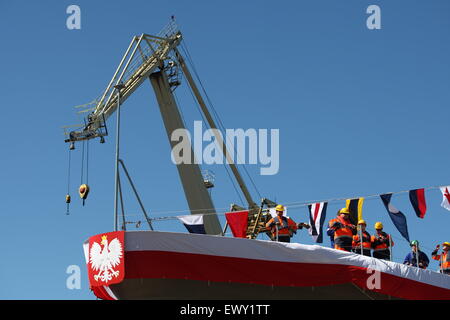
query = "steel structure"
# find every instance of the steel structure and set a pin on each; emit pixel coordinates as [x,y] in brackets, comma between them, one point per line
[154,58]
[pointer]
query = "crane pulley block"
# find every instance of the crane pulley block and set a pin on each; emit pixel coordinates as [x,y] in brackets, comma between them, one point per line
[83,191]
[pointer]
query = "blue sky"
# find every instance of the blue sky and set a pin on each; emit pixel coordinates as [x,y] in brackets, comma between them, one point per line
[360,112]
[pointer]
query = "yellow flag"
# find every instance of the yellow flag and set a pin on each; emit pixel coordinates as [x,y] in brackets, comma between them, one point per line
[355,208]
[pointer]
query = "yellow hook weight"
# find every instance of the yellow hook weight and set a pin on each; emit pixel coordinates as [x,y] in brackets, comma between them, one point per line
[83,191]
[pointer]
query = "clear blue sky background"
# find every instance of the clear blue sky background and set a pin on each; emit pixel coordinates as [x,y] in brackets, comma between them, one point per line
[360,112]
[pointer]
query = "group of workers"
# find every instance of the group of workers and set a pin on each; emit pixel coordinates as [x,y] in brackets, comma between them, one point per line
[346,236]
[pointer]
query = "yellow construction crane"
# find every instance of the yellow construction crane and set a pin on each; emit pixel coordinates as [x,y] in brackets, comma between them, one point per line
[158,59]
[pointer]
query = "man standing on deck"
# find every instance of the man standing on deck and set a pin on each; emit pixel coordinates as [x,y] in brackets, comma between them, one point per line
[343,230]
[411,258]
[365,247]
[381,243]
[282,227]
[443,258]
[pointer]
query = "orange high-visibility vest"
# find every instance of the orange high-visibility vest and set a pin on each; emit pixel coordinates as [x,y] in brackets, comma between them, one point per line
[285,228]
[444,258]
[343,231]
[366,243]
[384,245]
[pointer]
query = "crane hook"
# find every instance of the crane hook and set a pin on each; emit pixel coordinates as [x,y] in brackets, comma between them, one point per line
[83,191]
[68,202]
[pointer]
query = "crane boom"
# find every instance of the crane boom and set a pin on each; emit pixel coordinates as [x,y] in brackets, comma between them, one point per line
[145,58]
[154,50]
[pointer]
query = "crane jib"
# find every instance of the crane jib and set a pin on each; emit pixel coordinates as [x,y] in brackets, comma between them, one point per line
[157,58]
[130,74]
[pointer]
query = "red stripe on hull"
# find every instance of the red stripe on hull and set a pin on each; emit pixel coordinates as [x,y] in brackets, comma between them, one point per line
[176,265]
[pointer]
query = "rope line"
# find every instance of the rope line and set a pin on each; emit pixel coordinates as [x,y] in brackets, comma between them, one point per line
[291,205]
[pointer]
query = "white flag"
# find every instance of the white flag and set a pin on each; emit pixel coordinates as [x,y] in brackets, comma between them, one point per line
[445,197]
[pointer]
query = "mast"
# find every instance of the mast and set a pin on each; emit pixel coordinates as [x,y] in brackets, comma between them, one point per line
[196,193]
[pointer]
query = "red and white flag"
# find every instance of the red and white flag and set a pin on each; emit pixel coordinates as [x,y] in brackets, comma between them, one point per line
[106,264]
[445,197]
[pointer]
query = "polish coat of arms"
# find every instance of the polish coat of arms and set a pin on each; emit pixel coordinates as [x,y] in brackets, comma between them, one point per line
[106,259]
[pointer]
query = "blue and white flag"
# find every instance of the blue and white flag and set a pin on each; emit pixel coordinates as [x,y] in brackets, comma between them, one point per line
[397,217]
[193,223]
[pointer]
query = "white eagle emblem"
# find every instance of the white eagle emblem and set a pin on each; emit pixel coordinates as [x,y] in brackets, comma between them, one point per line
[104,260]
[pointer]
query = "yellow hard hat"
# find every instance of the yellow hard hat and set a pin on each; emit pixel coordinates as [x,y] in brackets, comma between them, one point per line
[362,221]
[446,244]
[344,210]
[378,226]
[279,207]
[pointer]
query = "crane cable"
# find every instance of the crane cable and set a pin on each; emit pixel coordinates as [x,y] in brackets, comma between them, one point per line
[68,185]
[233,183]
[82,162]
[221,126]
[84,187]
[204,120]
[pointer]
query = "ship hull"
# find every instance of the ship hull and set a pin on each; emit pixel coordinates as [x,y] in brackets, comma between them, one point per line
[164,265]
[183,289]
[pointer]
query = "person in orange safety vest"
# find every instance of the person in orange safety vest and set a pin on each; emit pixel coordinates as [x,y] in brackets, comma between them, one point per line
[381,243]
[366,246]
[444,258]
[283,228]
[343,230]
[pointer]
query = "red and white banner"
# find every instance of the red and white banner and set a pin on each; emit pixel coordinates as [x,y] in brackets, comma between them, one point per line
[105,263]
[160,255]
[186,256]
